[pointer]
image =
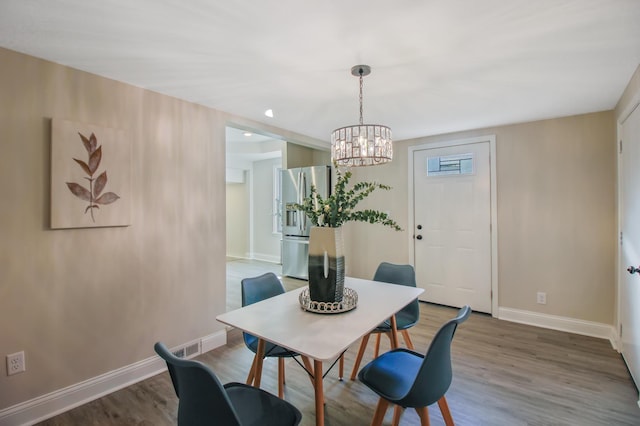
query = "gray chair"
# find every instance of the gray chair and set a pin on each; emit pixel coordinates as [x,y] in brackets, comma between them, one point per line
[254,290]
[204,401]
[409,379]
[406,318]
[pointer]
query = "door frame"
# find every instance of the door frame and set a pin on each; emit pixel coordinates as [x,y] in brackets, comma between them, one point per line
[493,202]
[622,117]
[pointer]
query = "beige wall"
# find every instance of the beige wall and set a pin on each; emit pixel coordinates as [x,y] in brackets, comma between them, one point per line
[303,156]
[83,302]
[556,184]
[237,203]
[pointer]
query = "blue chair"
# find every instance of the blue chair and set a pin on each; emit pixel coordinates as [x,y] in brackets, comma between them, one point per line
[409,379]
[204,401]
[254,290]
[406,318]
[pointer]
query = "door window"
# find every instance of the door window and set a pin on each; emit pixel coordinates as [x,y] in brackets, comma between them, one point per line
[458,164]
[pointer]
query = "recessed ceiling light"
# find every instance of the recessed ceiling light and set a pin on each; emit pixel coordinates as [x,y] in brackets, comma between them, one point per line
[247,134]
[269,113]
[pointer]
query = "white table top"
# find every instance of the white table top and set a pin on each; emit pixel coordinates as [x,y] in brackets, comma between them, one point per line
[323,337]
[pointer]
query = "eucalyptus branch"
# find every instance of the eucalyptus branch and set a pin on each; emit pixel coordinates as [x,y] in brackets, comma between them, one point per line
[338,208]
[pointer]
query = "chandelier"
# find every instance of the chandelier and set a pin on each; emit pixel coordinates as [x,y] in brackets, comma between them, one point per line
[361,144]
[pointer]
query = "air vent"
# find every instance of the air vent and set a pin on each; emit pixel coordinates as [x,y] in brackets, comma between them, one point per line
[192,350]
[187,351]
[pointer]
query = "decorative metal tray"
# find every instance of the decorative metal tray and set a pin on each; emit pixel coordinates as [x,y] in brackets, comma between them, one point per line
[349,302]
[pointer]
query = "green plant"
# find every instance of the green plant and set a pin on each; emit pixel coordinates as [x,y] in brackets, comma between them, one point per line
[338,208]
[96,185]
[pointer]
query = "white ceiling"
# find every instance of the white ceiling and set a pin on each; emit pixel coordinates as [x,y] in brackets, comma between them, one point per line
[438,65]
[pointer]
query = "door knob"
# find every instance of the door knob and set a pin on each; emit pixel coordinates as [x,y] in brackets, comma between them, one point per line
[633,270]
[419,237]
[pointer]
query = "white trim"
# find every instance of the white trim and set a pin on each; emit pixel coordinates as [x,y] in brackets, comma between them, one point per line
[277,200]
[61,400]
[631,106]
[494,226]
[213,341]
[265,257]
[619,207]
[250,181]
[553,322]
[494,203]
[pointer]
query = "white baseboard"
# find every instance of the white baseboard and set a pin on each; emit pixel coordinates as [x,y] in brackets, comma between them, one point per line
[266,257]
[571,325]
[212,341]
[59,401]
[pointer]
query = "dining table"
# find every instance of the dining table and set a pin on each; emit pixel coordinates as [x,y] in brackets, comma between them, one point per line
[321,337]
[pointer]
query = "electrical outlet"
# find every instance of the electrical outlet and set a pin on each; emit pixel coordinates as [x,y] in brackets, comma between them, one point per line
[542,298]
[15,363]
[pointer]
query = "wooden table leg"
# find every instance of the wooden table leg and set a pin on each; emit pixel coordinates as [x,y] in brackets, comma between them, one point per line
[319,391]
[252,372]
[307,365]
[258,367]
[394,333]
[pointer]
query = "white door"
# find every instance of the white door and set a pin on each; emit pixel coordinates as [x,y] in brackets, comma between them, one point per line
[452,225]
[630,248]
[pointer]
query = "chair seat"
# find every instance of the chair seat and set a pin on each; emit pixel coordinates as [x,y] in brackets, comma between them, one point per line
[257,407]
[404,321]
[269,350]
[392,374]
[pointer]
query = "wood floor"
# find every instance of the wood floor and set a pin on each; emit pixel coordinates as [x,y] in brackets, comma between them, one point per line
[504,374]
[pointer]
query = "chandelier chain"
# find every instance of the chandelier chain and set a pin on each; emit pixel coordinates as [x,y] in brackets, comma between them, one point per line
[361,84]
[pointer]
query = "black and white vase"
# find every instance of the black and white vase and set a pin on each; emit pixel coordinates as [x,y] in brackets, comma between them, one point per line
[326,264]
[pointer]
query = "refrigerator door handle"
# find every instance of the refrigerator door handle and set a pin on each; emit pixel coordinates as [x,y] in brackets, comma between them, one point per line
[301,196]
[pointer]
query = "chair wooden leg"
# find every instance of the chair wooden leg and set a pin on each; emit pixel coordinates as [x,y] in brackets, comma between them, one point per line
[363,347]
[444,409]
[377,351]
[423,413]
[381,410]
[341,368]
[397,413]
[280,378]
[407,339]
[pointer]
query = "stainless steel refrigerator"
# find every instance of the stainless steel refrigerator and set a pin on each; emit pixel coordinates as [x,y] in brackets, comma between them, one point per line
[296,185]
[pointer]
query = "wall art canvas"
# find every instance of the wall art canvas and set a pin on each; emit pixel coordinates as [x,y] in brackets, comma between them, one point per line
[90,176]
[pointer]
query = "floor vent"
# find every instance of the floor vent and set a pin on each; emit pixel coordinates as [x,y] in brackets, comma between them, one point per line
[187,351]
[192,350]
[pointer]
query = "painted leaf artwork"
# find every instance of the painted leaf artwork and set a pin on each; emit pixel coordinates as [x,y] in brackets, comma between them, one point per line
[92,194]
[90,175]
